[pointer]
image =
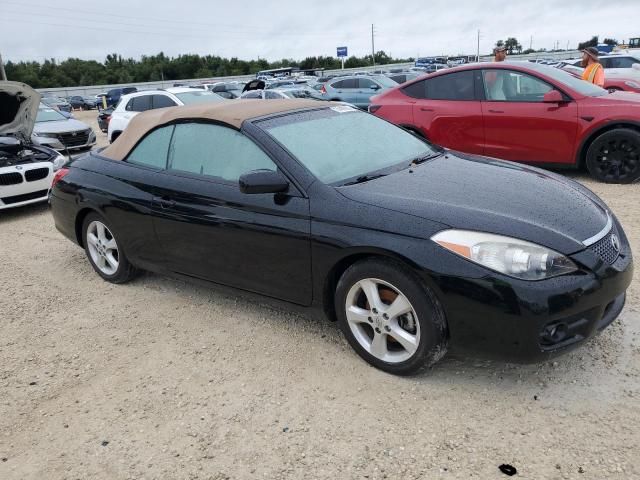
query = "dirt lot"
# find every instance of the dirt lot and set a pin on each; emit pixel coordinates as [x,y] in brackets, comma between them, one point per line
[159,379]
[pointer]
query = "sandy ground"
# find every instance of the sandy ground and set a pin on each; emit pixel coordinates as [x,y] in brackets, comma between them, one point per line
[159,379]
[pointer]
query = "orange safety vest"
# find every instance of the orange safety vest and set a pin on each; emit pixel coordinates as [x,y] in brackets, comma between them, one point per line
[594,73]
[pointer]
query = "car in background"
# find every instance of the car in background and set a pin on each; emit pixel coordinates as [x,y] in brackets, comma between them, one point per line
[113,96]
[409,247]
[284,93]
[356,90]
[26,169]
[82,103]
[228,90]
[99,100]
[523,112]
[58,103]
[613,62]
[404,76]
[613,80]
[104,117]
[431,68]
[54,130]
[134,103]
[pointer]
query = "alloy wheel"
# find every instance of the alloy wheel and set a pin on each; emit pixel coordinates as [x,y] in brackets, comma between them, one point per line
[617,159]
[102,248]
[382,320]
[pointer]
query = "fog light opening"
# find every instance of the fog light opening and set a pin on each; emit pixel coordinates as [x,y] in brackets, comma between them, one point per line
[554,333]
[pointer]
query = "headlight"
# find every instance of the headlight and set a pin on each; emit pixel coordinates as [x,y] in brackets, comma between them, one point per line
[632,84]
[510,256]
[59,162]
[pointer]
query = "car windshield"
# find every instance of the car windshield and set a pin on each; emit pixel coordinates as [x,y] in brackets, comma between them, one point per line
[198,96]
[341,143]
[303,94]
[48,115]
[585,88]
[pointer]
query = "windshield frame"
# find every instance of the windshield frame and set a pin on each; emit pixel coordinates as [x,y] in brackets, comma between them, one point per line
[430,149]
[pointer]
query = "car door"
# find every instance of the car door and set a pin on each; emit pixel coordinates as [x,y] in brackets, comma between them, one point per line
[367,88]
[210,230]
[346,90]
[519,126]
[448,111]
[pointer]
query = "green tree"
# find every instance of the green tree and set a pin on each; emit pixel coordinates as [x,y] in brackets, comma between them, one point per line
[589,43]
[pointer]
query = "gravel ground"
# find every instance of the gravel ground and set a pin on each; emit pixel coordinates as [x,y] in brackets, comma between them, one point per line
[159,379]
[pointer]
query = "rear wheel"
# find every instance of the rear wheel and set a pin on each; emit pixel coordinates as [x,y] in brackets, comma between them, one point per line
[104,252]
[614,157]
[390,319]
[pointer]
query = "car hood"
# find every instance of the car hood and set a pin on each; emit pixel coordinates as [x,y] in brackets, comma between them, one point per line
[630,99]
[60,126]
[18,109]
[477,193]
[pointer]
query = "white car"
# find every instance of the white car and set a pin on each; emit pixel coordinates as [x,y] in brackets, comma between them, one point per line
[26,169]
[615,63]
[132,104]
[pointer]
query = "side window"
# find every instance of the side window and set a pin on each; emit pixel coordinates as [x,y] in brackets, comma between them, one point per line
[139,104]
[348,83]
[510,86]
[452,86]
[606,62]
[153,149]
[416,90]
[253,94]
[621,62]
[365,83]
[162,101]
[269,95]
[338,84]
[216,151]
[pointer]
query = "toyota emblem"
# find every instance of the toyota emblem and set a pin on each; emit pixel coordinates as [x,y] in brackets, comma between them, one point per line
[615,243]
[74,134]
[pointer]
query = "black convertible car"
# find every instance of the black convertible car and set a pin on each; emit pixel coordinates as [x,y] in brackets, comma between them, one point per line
[408,246]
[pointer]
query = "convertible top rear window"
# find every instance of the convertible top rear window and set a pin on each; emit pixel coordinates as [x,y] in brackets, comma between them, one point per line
[341,142]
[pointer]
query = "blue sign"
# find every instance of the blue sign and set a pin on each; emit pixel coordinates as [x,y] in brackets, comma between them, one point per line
[342,52]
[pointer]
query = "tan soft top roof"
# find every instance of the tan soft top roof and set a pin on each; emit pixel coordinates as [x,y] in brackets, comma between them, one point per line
[232,112]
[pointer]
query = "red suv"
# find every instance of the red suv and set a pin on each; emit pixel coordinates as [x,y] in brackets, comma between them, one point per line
[523,112]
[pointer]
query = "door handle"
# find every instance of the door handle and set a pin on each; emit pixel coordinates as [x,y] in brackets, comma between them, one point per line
[425,109]
[164,202]
[496,111]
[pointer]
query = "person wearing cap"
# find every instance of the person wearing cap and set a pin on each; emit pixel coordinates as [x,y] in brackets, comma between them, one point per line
[500,54]
[593,70]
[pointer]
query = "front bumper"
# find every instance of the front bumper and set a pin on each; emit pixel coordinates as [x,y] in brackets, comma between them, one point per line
[524,322]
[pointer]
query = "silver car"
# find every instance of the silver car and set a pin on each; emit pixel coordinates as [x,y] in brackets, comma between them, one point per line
[54,130]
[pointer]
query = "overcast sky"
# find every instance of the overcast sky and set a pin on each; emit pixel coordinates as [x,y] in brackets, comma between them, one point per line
[35,29]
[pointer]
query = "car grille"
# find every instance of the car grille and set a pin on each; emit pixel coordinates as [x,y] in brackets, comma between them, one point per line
[74,139]
[25,197]
[36,174]
[13,178]
[605,248]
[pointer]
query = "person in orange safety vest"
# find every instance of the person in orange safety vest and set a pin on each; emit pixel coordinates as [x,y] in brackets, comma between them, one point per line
[593,70]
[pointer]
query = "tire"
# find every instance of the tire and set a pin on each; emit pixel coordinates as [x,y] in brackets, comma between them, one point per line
[400,340]
[104,252]
[614,156]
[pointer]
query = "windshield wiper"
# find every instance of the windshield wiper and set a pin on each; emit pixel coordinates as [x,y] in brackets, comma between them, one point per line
[364,178]
[419,160]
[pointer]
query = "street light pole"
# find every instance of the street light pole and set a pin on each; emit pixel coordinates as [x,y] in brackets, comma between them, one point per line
[373,46]
[3,74]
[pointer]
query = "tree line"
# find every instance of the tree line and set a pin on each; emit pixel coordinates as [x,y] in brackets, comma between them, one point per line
[514,47]
[75,72]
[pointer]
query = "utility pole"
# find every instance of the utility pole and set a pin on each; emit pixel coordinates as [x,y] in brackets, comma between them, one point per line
[531,43]
[373,46]
[3,74]
[478,51]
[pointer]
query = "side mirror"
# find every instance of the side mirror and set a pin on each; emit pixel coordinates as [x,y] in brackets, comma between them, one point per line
[553,96]
[263,181]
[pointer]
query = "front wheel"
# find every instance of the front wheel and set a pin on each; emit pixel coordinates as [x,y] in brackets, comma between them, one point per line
[614,157]
[390,319]
[104,252]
